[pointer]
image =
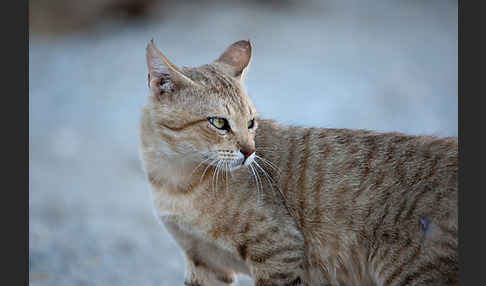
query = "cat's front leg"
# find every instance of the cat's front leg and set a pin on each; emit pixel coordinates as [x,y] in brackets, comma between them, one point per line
[277,262]
[200,257]
[198,273]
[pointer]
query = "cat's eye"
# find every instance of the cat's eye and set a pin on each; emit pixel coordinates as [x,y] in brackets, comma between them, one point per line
[219,123]
[251,124]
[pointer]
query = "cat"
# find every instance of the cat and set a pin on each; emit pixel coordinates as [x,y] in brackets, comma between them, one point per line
[291,205]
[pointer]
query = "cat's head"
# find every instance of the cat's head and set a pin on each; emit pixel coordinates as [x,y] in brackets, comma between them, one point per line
[202,113]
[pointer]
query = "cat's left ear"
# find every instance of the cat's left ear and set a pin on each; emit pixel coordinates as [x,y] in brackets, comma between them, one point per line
[235,61]
[163,75]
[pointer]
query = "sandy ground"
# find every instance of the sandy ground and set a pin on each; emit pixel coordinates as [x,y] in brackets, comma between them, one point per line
[354,64]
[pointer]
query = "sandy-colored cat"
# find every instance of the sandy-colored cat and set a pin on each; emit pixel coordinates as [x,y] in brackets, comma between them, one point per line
[290,205]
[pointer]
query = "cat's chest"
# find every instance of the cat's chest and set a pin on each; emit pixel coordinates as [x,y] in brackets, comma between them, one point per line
[193,208]
[167,202]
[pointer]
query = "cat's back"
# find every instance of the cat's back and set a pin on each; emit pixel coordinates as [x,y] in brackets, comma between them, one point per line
[373,206]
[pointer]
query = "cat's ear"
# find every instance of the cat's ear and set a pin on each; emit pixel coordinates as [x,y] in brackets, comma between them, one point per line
[236,59]
[163,76]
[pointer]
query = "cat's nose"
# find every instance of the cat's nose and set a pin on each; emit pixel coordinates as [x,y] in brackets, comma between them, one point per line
[247,152]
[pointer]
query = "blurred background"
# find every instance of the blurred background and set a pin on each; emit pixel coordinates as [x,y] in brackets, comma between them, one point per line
[386,65]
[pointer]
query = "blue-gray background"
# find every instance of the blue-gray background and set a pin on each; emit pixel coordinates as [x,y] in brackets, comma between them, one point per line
[376,64]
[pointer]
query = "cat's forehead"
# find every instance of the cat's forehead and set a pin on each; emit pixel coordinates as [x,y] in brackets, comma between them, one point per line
[222,91]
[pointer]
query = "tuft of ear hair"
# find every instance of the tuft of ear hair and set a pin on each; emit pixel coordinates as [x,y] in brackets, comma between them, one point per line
[236,59]
[163,76]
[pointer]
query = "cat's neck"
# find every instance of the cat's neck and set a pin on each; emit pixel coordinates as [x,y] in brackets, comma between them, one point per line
[178,175]
[174,172]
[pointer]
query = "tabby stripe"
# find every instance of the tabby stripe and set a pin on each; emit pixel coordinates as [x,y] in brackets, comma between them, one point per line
[291,259]
[302,182]
[262,140]
[416,200]
[268,282]
[370,155]
[355,257]
[290,156]
[342,266]
[243,199]
[375,243]
[323,270]
[264,256]
[243,250]
[374,187]
[226,84]
[400,171]
[411,277]
[248,222]
[384,254]
[385,213]
[400,210]
[433,167]
[397,256]
[235,218]
[399,269]
[392,147]
[317,188]
[439,196]
[280,276]
[225,279]
[259,238]
[179,128]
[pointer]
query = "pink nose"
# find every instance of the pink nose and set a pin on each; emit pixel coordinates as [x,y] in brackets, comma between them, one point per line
[247,152]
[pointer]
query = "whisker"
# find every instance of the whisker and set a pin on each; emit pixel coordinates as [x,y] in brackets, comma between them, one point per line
[199,165]
[257,177]
[269,163]
[254,176]
[221,165]
[226,174]
[209,165]
[269,179]
[272,183]
[215,183]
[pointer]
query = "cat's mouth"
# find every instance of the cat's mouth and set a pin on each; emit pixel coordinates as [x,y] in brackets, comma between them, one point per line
[238,163]
[232,163]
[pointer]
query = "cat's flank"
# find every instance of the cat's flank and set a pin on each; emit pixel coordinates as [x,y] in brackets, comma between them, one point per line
[290,205]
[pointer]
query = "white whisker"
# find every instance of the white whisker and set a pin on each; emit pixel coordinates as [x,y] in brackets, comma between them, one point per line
[269,179]
[208,166]
[257,179]
[215,171]
[226,168]
[272,183]
[199,165]
[268,163]
[254,176]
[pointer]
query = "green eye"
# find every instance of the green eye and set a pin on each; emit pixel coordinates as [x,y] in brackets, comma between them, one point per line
[219,123]
[251,124]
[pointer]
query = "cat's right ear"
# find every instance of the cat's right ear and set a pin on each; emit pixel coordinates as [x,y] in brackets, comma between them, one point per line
[236,59]
[163,76]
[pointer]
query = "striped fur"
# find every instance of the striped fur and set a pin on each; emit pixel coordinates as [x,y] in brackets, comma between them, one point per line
[315,206]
